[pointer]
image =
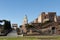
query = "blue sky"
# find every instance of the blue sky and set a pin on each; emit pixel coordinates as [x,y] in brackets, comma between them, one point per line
[15,10]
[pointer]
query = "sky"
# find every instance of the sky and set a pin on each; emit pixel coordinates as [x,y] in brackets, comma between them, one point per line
[15,10]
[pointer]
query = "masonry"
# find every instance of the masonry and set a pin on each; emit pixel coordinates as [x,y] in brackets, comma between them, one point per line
[44,24]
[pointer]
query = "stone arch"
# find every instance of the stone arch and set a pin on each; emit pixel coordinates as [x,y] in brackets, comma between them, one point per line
[53,30]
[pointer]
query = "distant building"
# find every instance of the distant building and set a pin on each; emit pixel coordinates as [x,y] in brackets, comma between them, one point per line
[23,27]
[15,26]
[45,17]
[35,21]
[25,20]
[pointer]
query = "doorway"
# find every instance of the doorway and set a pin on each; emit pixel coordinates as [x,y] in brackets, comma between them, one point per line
[53,30]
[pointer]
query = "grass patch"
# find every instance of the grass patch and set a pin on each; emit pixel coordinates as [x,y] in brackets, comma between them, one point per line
[31,38]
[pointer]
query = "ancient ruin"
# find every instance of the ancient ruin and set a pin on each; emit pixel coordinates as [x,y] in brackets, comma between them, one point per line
[45,24]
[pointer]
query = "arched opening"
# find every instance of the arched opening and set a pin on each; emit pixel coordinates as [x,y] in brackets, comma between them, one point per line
[53,30]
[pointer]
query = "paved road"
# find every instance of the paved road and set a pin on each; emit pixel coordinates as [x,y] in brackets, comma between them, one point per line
[12,33]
